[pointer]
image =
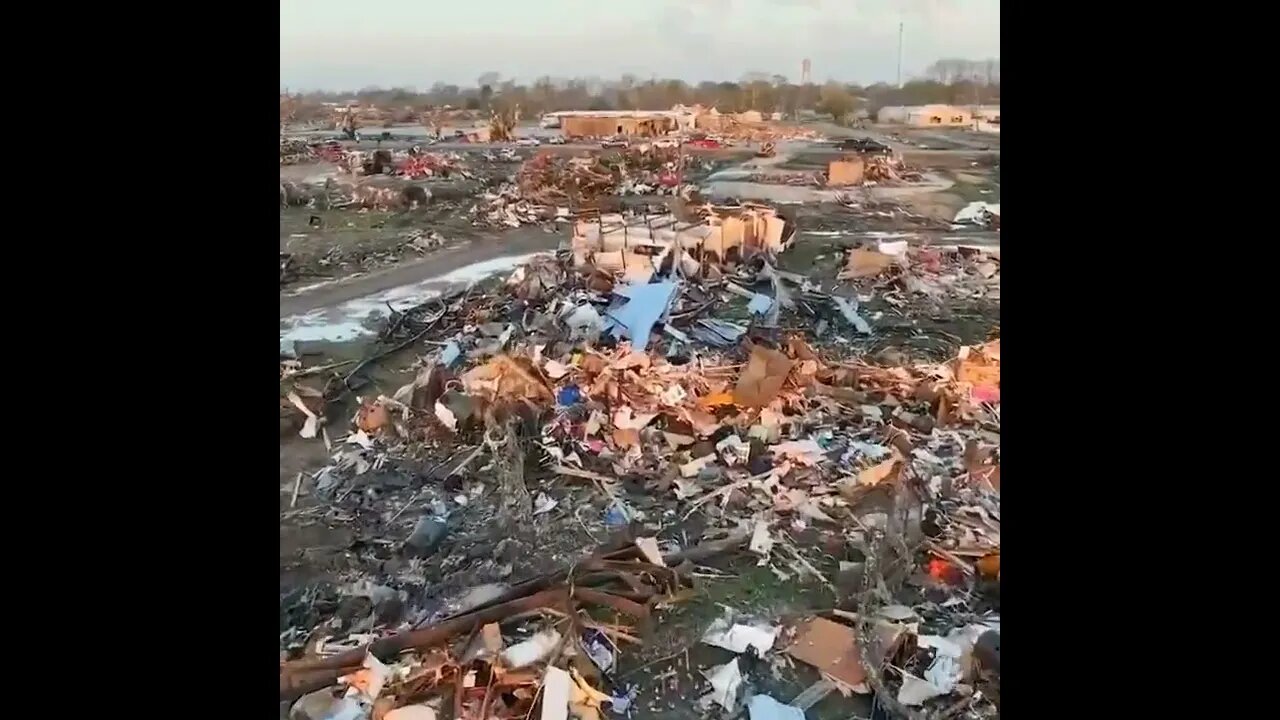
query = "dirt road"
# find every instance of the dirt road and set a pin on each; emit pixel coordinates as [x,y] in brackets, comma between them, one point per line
[326,294]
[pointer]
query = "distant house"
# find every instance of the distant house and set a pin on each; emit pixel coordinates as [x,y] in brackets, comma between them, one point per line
[606,123]
[990,113]
[924,115]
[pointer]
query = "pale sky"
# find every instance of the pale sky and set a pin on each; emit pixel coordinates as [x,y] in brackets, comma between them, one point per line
[332,45]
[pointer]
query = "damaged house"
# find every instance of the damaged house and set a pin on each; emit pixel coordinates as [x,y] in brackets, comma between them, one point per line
[607,123]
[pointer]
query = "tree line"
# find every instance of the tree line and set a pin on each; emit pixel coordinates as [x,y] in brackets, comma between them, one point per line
[960,82]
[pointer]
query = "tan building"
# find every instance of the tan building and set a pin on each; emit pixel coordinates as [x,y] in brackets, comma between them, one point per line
[587,126]
[607,123]
[925,115]
[990,113]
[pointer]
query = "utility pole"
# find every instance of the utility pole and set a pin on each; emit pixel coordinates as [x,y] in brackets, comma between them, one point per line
[899,55]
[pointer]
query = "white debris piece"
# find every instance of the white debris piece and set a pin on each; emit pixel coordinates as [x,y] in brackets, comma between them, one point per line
[763,707]
[532,650]
[725,682]
[977,213]
[915,692]
[555,694]
[737,637]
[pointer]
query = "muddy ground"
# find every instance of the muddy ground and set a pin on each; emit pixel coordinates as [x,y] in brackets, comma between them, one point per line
[326,542]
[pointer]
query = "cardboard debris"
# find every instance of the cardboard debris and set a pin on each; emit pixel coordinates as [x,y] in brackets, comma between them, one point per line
[866,263]
[649,546]
[637,246]
[830,647]
[846,171]
[506,378]
[763,378]
[584,700]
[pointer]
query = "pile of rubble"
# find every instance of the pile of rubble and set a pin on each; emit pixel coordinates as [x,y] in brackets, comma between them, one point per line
[661,369]
[765,132]
[551,185]
[637,247]
[293,152]
[888,169]
[870,169]
[798,179]
[416,165]
[385,194]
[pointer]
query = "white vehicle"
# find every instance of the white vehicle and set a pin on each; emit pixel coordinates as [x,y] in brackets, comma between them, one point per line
[668,143]
[527,142]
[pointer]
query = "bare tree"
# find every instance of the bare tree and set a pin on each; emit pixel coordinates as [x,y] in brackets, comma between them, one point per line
[836,101]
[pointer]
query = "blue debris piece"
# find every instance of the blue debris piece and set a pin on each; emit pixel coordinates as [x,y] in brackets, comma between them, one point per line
[764,707]
[569,395]
[450,354]
[645,306]
[760,304]
[849,308]
[717,333]
[615,516]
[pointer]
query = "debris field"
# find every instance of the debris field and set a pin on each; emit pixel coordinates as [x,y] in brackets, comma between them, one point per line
[696,460]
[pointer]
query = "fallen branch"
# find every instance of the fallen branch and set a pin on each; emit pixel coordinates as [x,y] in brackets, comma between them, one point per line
[697,503]
[300,677]
[291,374]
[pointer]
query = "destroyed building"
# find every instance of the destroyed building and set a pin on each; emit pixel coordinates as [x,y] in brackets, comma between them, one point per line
[605,123]
[638,248]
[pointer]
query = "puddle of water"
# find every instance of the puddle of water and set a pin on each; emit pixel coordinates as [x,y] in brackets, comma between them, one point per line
[358,318]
